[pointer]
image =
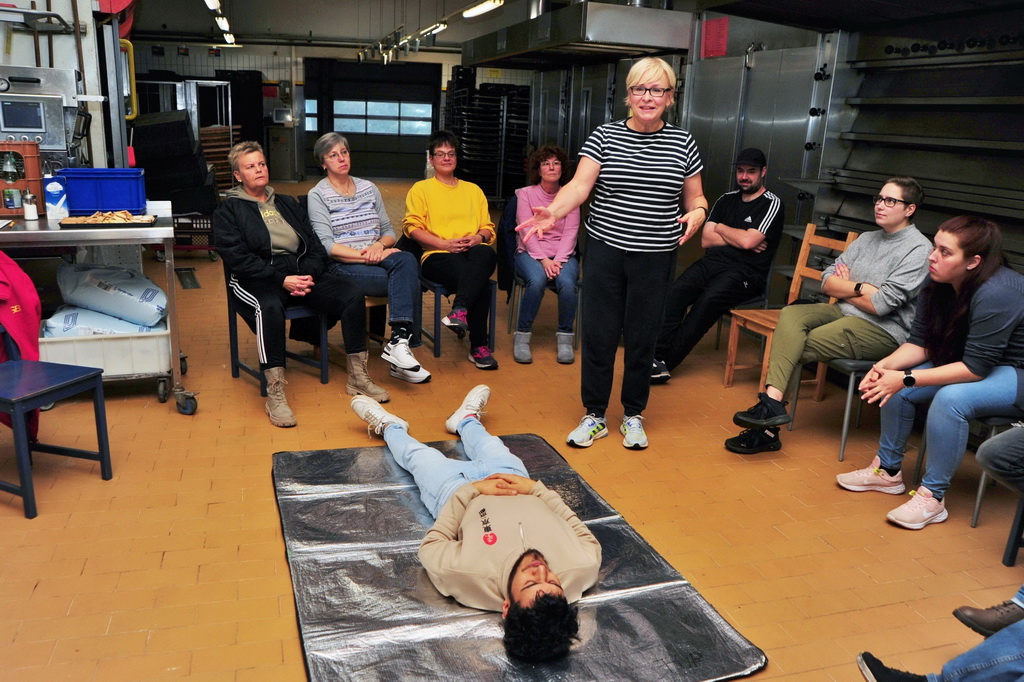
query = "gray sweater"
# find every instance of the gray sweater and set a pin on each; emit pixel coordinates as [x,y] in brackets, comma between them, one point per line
[897,264]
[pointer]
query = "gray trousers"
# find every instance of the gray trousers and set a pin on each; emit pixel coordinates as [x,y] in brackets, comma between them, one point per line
[1003,458]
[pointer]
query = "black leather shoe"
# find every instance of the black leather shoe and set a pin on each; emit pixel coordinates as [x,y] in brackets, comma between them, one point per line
[989,621]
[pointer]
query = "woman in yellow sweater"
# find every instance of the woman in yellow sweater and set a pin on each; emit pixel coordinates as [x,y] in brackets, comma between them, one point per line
[449,218]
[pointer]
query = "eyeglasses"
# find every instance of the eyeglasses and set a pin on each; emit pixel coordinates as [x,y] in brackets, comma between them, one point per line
[334,156]
[445,155]
[640,91]
[554,163]
[888,201]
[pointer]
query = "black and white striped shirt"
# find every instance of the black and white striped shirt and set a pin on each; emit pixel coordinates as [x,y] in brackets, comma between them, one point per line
[638,193]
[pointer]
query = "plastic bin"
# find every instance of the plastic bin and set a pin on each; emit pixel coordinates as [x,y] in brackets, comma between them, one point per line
[104,189]
[120,355]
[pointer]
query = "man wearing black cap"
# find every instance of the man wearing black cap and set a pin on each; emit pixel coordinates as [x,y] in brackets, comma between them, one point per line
[740,235]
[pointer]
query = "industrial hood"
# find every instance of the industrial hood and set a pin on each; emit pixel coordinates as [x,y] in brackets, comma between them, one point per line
[582,33]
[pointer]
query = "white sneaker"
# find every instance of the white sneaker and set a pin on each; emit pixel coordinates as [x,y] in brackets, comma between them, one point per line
[370,411]
[633,435]
[590,429]
[419,376]
[472,405]
[398,353]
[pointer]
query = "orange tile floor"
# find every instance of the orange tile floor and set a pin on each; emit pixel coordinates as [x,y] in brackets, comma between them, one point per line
[176,567]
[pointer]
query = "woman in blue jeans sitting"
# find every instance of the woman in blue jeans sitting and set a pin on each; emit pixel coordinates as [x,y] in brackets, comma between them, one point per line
[348,216]
[965,356]
[548,258]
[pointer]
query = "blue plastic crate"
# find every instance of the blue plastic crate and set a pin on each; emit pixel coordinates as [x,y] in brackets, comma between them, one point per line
[104,189]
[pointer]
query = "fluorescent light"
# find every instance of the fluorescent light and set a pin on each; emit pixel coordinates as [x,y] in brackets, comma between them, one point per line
[214,5]
[435,29]
[229,39]
[222,22]
[482,8]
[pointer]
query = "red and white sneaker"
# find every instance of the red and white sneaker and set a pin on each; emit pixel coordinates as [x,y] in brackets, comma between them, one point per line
[921,510]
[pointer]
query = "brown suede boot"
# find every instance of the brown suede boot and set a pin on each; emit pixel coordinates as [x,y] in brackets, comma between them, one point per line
[277,404]
[359,381]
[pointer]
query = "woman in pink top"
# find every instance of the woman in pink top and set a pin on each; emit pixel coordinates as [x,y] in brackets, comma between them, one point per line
[548,259]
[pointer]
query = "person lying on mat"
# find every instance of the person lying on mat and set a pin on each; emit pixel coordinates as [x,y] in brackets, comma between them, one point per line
[500,541]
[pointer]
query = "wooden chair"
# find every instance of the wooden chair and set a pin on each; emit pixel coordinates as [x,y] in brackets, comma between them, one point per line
[764,322]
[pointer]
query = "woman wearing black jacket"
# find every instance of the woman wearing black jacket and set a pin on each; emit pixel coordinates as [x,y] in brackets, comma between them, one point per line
[276,261]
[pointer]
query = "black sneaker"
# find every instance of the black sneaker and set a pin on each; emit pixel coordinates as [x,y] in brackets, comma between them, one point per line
[764,413]
[876,671]
[659,372]
[753,441]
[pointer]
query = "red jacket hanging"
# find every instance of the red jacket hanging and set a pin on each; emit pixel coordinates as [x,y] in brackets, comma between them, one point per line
[20,314]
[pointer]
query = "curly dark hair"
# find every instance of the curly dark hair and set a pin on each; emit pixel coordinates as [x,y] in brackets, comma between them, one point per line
[946,311]
[548,151]
[544,631]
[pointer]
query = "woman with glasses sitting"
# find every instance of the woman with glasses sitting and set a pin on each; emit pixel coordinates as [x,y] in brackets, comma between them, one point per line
[964,359]
[348,216]
[449,219]
[875,282]
[642,170]
[547,259]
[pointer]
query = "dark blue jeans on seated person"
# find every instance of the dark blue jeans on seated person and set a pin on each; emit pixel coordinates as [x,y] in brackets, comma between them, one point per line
[537,281]
[1000,658]
[397,277]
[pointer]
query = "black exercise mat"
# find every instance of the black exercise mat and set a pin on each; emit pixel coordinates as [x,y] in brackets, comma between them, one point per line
[352,524]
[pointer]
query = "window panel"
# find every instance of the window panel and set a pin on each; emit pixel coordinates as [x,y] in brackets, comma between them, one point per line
[417,110]
[382,126]
[415,127]
[349,125]
[311,107]
[382,109]
[310,124]
[349,107]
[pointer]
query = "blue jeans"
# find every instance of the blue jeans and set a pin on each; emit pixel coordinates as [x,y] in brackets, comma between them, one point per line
[397,277]
[952,407]
[1000,658]
[439,477]
[537,281]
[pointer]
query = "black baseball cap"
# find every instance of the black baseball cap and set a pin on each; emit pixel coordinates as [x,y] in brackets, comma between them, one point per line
[751,156]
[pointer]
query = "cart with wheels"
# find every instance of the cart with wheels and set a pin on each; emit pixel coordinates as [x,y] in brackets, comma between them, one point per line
[156,354]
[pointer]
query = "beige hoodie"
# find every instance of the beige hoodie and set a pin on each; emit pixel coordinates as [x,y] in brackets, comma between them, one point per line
[472,546]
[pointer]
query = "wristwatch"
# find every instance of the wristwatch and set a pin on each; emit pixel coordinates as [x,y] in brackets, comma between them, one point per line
[908,379]
[857,287]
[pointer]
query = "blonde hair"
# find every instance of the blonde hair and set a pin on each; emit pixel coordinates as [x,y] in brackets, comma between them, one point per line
[240,150]
[652,69]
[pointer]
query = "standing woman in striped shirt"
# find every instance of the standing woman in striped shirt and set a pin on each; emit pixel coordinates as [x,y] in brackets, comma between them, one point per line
[648,199]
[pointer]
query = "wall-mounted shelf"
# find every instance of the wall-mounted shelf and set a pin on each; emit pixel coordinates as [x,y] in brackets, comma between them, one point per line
[936,142]
[1012,100]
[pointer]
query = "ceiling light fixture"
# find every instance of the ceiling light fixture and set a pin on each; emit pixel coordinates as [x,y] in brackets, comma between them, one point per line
[435,29]
[229,38]
[214,5]
[482,8]
[222,22]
